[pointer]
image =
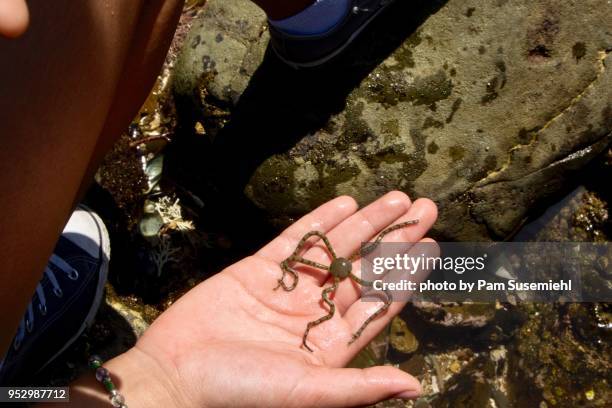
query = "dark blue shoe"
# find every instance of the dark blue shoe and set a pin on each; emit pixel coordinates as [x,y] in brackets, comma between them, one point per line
[307,51]
[66,299]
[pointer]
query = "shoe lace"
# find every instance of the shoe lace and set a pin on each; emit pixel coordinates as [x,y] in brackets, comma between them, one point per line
[27,322]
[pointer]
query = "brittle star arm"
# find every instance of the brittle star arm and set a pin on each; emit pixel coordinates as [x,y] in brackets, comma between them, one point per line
[332,309]
[365,250]
[380,311]
[295,257]
[293,273]
[319,234]
[371,246]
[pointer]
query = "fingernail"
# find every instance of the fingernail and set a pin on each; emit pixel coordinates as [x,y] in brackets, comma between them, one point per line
[409,394]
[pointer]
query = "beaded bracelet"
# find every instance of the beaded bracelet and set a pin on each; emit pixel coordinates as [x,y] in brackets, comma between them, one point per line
[103,376]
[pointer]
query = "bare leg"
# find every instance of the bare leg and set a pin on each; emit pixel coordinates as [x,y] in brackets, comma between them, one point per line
[332,310]
[69,86]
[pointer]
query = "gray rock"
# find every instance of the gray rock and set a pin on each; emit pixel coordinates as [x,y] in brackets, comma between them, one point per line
[229,40]
[487,108]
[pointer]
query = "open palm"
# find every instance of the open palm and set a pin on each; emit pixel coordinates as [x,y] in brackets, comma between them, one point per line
[234,341]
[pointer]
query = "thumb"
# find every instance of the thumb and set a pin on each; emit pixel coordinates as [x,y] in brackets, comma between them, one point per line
[348,387]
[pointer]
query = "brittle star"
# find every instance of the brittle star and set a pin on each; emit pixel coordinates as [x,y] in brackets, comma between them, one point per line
[340,268]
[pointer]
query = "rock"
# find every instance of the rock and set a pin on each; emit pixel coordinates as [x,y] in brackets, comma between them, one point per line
[415,366]
[487,108]
[554,359]
[374,353]
[225,41]
[471,388]
[460,378]
[401,338]
[581,216]
[134,319]
[470,315]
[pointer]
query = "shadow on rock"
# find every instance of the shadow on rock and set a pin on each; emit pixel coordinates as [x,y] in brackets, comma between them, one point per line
[279,107]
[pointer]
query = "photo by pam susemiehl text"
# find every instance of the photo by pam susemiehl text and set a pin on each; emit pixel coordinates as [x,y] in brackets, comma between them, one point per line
[488,272]
[481,284]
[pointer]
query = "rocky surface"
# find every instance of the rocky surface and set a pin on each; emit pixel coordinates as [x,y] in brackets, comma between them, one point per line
[487,108]
[582,216]
[562,357]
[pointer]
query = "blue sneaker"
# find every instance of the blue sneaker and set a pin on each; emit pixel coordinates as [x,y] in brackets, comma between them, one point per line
[66,299]
[300,49]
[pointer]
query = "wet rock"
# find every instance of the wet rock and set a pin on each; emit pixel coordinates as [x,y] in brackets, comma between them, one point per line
[220,55]
[488,111]
[132,317]
[122,176]
[374,353]
[470,388]
[474,315]
[415,366]
[590,219]
[401,338]
[461,378]
[553,361]
[581,216]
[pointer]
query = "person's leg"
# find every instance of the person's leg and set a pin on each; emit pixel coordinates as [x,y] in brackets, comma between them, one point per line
[70,86]
[154,33]
[64,83]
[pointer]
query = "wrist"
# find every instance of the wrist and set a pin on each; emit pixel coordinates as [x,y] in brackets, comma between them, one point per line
[137,376]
